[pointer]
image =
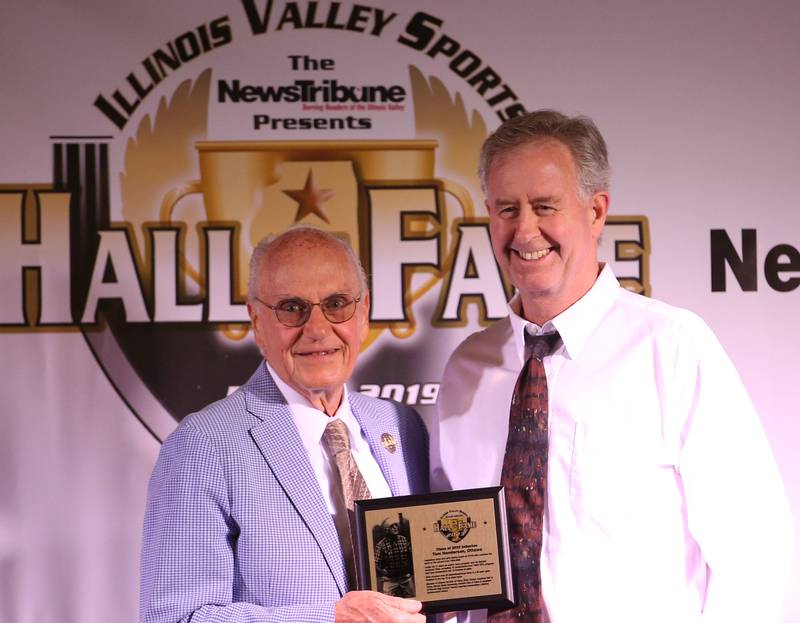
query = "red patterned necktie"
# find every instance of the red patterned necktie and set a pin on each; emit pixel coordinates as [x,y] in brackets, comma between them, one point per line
[525,479]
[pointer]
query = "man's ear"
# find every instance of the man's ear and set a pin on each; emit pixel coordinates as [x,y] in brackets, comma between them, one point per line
[365,320]
[251,311]
[599,208]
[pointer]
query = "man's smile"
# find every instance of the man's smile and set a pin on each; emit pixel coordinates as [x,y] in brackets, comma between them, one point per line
[532,255]
[317,353]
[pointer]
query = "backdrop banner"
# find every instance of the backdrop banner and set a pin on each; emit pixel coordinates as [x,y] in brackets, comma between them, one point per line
[147,147]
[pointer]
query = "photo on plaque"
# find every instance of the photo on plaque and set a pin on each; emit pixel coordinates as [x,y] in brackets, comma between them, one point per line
[449,550]
[394,561]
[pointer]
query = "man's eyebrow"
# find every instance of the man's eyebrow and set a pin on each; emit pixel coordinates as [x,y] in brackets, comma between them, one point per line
[288,297]
[532,200]
[505,201]
[295,297]
[542,199]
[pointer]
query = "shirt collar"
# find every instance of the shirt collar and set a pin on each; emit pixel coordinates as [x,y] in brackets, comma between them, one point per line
[310,421]
[576,323]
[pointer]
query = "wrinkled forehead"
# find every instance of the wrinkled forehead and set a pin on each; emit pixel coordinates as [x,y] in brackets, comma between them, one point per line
[296,266]
[536,164]
[546,144]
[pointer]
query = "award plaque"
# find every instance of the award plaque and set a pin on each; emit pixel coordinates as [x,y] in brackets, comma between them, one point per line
[447,550]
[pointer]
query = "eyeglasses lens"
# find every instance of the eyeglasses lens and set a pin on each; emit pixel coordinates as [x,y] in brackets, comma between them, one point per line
[296,312]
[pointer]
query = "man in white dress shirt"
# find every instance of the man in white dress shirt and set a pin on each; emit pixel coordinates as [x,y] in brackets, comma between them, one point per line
[663,502]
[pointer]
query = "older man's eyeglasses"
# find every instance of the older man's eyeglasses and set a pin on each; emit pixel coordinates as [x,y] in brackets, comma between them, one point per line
[295,312]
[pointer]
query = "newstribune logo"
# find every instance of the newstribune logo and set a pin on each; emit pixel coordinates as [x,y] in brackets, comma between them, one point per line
[454,525]
[149,260]
[422,32]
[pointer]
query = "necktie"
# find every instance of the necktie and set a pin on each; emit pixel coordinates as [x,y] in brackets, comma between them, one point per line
[525,478]
[353,487]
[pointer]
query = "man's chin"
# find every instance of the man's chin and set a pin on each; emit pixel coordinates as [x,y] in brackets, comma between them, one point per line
[539,283]
[321,381]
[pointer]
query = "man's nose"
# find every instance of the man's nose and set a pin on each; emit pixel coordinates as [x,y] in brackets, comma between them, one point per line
[317,324]
[527,225]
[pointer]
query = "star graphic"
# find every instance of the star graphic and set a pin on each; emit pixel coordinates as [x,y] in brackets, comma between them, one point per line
[310,199]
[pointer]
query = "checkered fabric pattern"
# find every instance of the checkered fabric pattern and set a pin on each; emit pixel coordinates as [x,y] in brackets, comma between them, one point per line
[236,527]
[394,556]
[524,477]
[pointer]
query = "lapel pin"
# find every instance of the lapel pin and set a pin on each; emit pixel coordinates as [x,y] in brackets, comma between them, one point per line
[388,442]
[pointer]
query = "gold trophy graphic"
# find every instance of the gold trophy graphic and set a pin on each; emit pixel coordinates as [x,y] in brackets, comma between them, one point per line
[264,187]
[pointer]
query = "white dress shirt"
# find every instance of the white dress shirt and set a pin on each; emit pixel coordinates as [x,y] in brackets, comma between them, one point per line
[664,502]
[311,423]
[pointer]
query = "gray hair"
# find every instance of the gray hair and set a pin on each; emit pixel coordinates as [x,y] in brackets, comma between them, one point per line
[579,134]
[294,235]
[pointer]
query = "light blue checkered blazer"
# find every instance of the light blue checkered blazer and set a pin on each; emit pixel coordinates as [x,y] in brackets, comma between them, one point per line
[236,528]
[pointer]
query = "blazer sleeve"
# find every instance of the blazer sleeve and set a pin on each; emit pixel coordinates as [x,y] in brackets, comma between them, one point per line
[189,541]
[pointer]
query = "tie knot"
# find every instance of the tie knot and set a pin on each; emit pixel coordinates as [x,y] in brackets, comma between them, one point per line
[540,346]
[336,437]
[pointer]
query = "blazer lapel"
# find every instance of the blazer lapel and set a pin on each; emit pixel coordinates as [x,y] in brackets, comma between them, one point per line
[375,423]
[279,442]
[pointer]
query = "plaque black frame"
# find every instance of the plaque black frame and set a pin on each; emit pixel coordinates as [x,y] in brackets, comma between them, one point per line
[495,602]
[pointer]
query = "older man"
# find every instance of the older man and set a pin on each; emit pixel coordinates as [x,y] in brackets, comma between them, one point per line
[248,516]
[640,485]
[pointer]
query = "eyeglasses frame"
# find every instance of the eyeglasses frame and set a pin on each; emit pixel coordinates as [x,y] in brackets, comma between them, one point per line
[274,308]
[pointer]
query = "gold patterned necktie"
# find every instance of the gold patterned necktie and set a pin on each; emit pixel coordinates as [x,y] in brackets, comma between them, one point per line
[525,478]
[352,485]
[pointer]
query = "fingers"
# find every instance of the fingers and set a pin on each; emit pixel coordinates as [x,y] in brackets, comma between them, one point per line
[407,605]
[373,607]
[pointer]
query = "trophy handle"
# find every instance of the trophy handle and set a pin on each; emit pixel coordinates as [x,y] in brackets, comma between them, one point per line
[168,204]
[461,195]
[464,199]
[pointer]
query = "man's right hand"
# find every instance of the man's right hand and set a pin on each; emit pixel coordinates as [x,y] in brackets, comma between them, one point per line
[373,607]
